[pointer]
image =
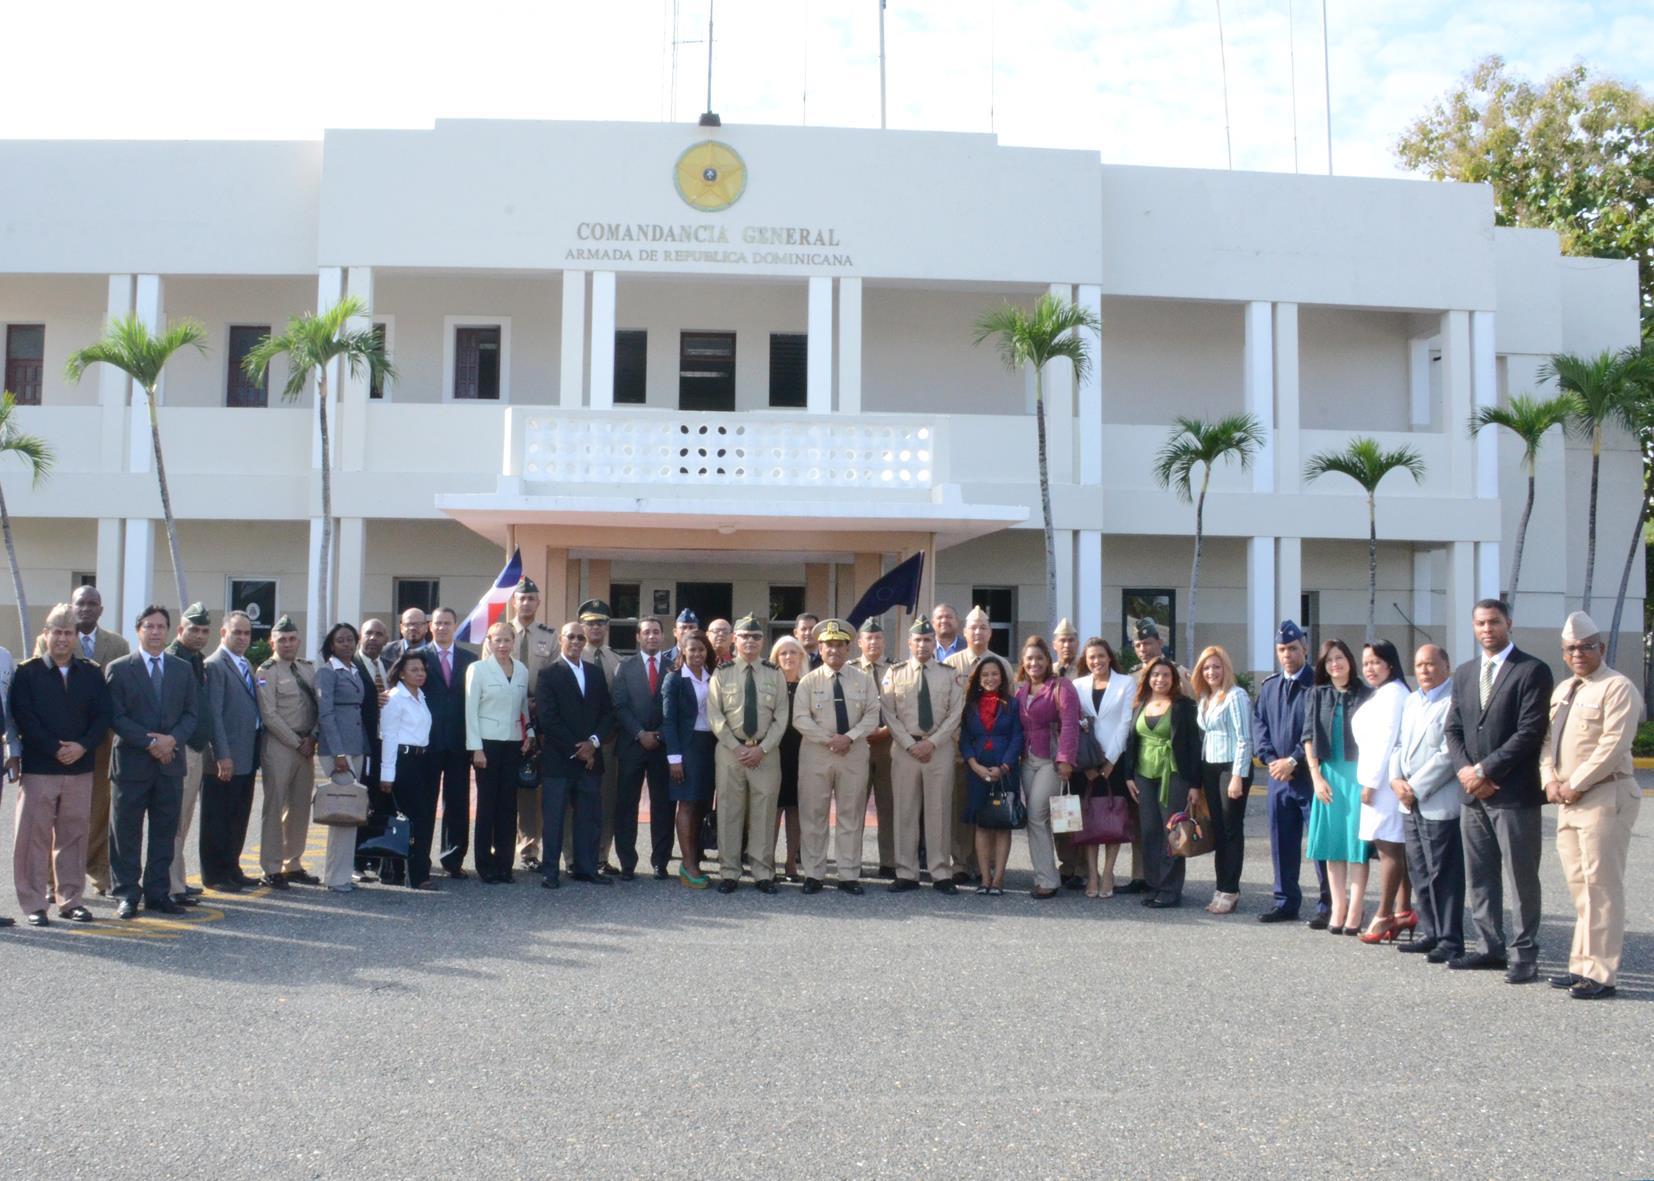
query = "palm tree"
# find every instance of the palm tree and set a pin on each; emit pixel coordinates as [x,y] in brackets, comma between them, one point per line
[37,453]
[1050,332]
[1528,418]
[1193,443]
[1600,386]
[1367,463]
[132,348]
[1640,414]
[312,342]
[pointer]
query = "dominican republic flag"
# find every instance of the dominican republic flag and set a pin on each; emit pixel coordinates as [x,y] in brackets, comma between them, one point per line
[492,605]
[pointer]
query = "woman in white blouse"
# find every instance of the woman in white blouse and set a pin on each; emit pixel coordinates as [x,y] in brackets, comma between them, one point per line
[405,765]
[1376,725]
[689,751]
[496,734]
[1225,714]
[1105,710]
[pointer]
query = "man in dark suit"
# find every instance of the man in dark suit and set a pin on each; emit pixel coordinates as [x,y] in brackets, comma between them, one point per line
[446,663]
[380,804]
[637,709]
[231,721]
[155,702]
[572,717]
[1495,728]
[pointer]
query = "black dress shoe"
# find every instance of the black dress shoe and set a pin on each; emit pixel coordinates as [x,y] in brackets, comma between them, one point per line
[1590,990]
[550,884]
[606,867]
[887,872]
[1276,916]
[851,887]
[1521,973]
[184,900]
[765,885]
[273,881]
[192,891]
[302,877]
[1319,922]
[245,881]
[812,885]
[457,874]
[1041,895]
[1164,903]
[364,877]
[163,906]
[38,919]
[902,885]
[1074,882]
[1421,946]
[224,887]
[428,886]
[128,909]
[960,877]
[1442,954]
[78,915]
[1566,980]
[1135,886]
[661,875]
[7,921]
[945,887]
[1479,960]
[727,885]
[628,875]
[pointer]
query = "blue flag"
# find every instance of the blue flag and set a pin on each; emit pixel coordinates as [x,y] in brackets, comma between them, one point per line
[899,588]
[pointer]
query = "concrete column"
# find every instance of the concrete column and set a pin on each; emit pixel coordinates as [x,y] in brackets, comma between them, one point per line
[1089,570]
[352,569]
[1059,421]
[572,373]
[1090,424]
[818,588]
[1289,580]
[1258,385]
[316,622]
[598,579]
[137,573]
[849,345]
[1461,593]
[1424,588]
[603,340]
[1457,400]
[352,415]
[1289,447]
[1065,579]
[868,569]
[1260,605]
[114,389]
[819,362]
[927,581]
[109,572]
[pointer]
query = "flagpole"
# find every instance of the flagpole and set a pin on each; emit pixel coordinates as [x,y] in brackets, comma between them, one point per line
[1326,82]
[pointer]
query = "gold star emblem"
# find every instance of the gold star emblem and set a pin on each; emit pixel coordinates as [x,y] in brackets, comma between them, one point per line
[710,176]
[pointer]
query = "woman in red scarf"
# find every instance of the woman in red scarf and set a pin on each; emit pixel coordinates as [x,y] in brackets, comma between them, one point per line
[990,742]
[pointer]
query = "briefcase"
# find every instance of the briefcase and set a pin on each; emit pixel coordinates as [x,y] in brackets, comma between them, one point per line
[340,800]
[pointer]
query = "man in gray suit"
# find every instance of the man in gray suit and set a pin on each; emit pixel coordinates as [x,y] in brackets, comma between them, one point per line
[154,699]
[232,724]
[1421,775]
[637,705]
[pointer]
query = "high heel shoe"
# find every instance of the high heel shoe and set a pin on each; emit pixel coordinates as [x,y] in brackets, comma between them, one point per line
[1383,929]
[1407,920]
[1332,930]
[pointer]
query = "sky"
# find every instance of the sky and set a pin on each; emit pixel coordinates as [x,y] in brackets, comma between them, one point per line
[1139,81]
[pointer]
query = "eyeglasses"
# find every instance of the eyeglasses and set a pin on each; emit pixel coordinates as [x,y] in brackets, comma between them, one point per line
[1580,649]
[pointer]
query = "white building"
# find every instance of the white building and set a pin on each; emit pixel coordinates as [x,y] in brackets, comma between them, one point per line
[761,406]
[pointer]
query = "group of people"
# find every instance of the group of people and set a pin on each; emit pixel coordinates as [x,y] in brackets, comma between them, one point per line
[561,736]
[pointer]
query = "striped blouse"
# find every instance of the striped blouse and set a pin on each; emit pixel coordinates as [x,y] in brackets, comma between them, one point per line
[1226,726]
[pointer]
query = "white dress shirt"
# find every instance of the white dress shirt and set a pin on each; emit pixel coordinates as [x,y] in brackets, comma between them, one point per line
[405,721]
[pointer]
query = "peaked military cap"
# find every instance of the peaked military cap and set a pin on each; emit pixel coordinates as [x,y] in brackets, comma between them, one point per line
[1145,629]
[285,624]
[689,617]
[830,631]
[1288,633]
[196,613]
[921,627]
[872,626]
[594,611]
[525,586]
[748,624]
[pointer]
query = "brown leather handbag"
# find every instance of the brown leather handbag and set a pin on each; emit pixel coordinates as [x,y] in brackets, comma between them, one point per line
[1191,833]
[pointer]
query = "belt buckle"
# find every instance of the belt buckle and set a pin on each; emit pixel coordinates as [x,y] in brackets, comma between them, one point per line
[751,742]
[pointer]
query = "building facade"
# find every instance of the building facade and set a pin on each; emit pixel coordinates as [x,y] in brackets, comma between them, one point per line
[734,369]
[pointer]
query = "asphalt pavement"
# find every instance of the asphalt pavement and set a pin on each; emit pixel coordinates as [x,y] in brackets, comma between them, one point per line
[647,1030]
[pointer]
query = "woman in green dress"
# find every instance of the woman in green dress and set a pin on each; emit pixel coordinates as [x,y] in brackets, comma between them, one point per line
[1335,813]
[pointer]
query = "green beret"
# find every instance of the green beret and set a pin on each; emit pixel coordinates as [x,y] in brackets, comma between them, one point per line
[921,627]
[748,624]
[196,613]
[525,586]
[872,626]
[285,624]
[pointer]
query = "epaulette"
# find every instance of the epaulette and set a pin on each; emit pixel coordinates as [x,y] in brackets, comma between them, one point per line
[270,663]
[769,664]
[302,660]
[726,664]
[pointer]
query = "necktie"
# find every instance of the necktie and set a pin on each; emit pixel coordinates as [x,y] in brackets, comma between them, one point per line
[378,679]
[841,712]
[1559,724]
[447,667]
[86,646]
[247,677]
[155,675]
[927,713]
[749,707]
[654,677]
[1487,681]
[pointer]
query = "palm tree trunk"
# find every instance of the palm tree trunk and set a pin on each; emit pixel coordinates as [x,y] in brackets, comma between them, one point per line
[1625,581]
[1194,570]
[16,573]
[1045,502]
[323,597]
[166,505]
[1591,518]
[1372,567]
[1521,538]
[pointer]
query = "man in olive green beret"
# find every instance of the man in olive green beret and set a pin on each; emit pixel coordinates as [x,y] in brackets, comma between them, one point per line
[194,626]
[746,706]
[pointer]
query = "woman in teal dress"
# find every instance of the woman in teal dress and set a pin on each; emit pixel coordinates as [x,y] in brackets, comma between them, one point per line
[1335,813]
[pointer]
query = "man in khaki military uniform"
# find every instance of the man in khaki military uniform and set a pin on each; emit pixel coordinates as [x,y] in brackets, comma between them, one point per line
[594,620]
[288,708]
[835,708]
[1147,643]
[978,631]
[193,629]
[1587,770]
[536,646]
[746,705]
[873,663]
[923,702]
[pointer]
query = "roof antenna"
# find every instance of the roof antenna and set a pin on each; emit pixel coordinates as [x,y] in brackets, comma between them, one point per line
[709,117]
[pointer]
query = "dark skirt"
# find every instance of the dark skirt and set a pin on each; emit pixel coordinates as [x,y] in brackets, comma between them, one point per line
[699,774]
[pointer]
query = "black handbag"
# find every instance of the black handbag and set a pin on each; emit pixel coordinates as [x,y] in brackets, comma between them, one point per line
[709,831]
[1088,752]
[1003,809]
[528,772]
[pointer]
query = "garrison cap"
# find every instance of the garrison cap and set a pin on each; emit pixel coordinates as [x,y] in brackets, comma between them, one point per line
[689,617]
[830,631]
[197,614]
[748,624]
[872,626]
[977,615]
[921,627]
[1579,626]
[594,611]
[1288,633]
[1064,628]
[525,586]
[285,624]
[1145,629]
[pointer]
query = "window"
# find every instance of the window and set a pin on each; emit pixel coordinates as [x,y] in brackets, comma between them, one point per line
[1158,605]
[239,389]
[376,385]
[477,362]
[1309,618]
[631,367]
[625,603]
[786,605]
[1000,602]
[789,365]
[706,371]
[81,578]
[25,353]
[257,597]
[424,593]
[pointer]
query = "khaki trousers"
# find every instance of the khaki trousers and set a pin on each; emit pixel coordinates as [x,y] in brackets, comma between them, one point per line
[824,779]
[530,824]
[884,804]
[97,837]
[746,814]
[964,835]
[289,785]
[930,786]
[1592,837]
[53,812]
[193,760]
